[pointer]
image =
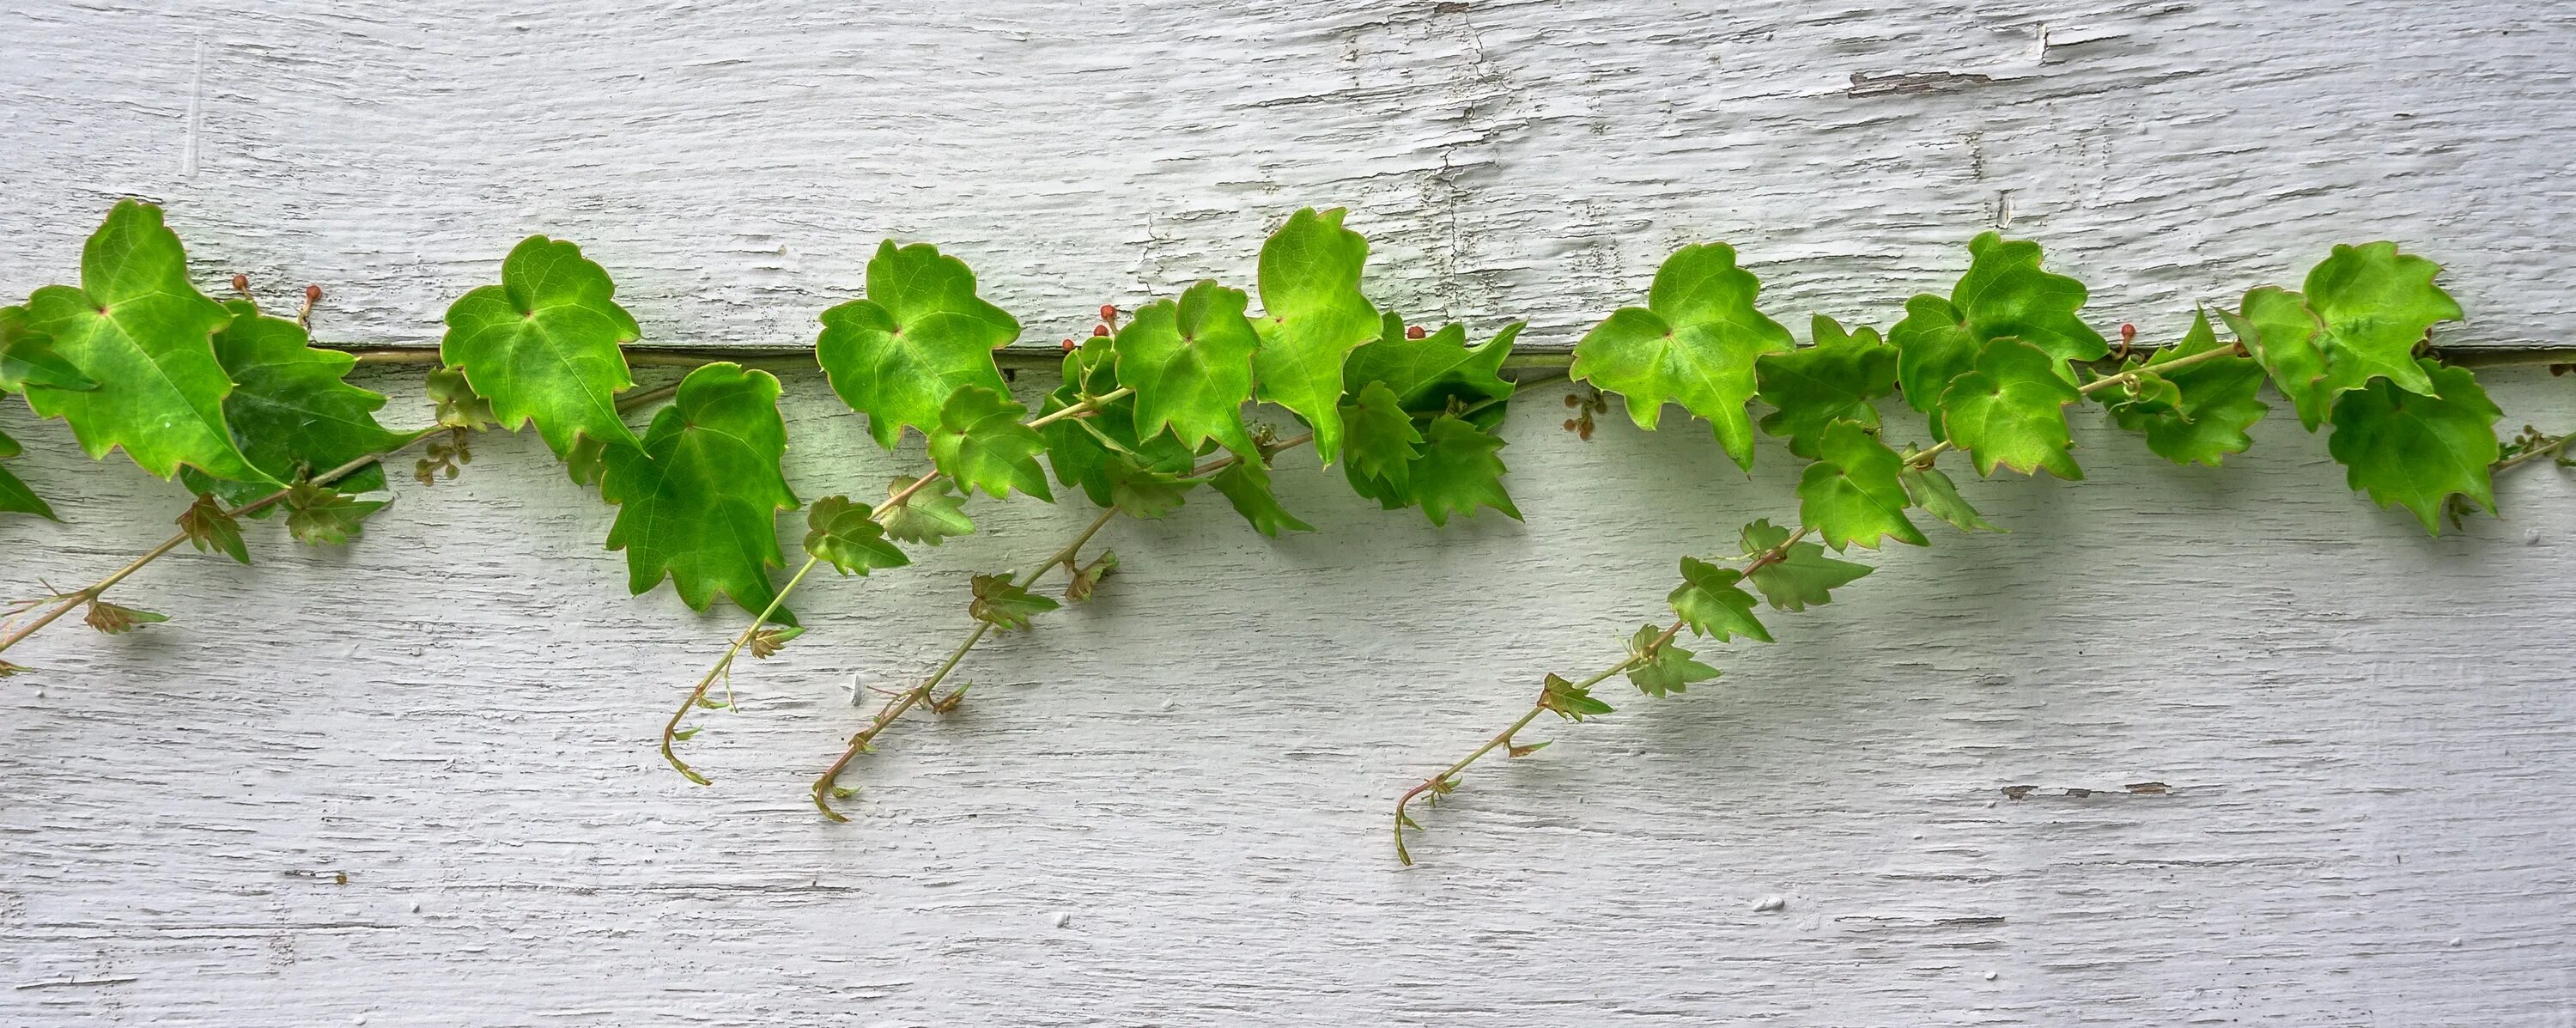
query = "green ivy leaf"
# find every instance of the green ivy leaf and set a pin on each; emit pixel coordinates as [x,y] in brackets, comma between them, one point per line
[1383,445]
[842,534]
[28,356]
[1803,576]
[2417,450]
[1458,472]
[317,516]
[1313,316]
[1711,602]
[543,346]
[1932,490]
[1761,537]
[2010,411]
[1428,374]
[142,336]
[1191,366]
[981,444]
[1246,485]
[1832,381]
[1086,450]
[111,619]
[15,497]
[212,529]
[1853,494]
[2376,304]
[1005,604]
[1570,701]
[291,412]
[1694,343]
[919,336]
[2285,337]
[929,516]
[1664,668]
[699,500]
[2004,295]
[1144,494]
[2197,414]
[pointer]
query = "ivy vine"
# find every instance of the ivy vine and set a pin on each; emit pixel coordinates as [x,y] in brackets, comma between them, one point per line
[241,407]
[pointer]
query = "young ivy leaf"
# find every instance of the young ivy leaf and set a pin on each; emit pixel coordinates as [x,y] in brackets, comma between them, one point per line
[929,516]
[292,414]
[1832,381]
[2416,450]
[1246,485]
[1191,366]
[1694,343]
[15,497]
[2376,304]
[1853,493]
[1005,604]
[699,500]
[456,404]
[1932,490]
[1086,450]
[981,444]
[1147,495]
[1804,575]
[1427,374]
[2010,411]
[2276,326]
[2200,413]
[1663,668]
[840,533]
[2003,295]
[543,346]
[1313,316]
[1458,472]
[919,336]
[1086,579]
[111,619]
[1383,445]
[317,516]
[1570,701]
[1711,602]
[28,357]
[211,529]
[1761,537]
[141,336]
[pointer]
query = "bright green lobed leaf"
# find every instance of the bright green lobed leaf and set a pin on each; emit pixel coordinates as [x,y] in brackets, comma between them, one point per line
[1710,601]
[1191,366]
[1313,316]
[1570,701]
[919,336]
[28,356]
[291,411]
[1694,343]
[1803,576]
[1428,374]
[2010,411]
[1665,668]
[1246,485]
[1932,490]
[1458,472]
[2004,295]
[142,337]
[2199,413]
[1383,446]
[844,535]
[15,497]
[1005,604]
[543,346]
[981,444]
[698,501]
[318,516]
[2285,337]
[1833,381]
[1853,493]
[1087,450]
[930,516]
[2415,450]
[2376,304]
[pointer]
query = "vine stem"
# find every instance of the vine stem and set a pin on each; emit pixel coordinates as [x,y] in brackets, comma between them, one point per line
[1446,779]
[96,589]
[671,728]
[2549,449]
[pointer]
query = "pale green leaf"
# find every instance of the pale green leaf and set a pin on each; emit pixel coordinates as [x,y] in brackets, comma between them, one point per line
[1853,493]
[2004,295]
[1932,490]
[842,534]
[1191,366]
[2376,304]
[1833,381]
[919,336]
[1663,668]
[930,515]
[1313,315]
[981,444]
[1804,576]
[1712,603]
[544,345]
[2199,413]
[1694,343]
[2010,411]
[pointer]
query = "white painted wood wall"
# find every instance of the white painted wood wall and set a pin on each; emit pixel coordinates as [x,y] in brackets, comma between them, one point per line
[1171,806]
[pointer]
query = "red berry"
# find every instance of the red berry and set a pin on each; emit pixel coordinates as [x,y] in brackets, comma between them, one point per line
[2128,333]
[1068,344]
[241,283]
[1413,331]
[313,294]
[1098,331]
[1108,312]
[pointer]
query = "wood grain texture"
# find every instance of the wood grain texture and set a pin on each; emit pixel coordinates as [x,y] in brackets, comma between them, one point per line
[1170,806]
